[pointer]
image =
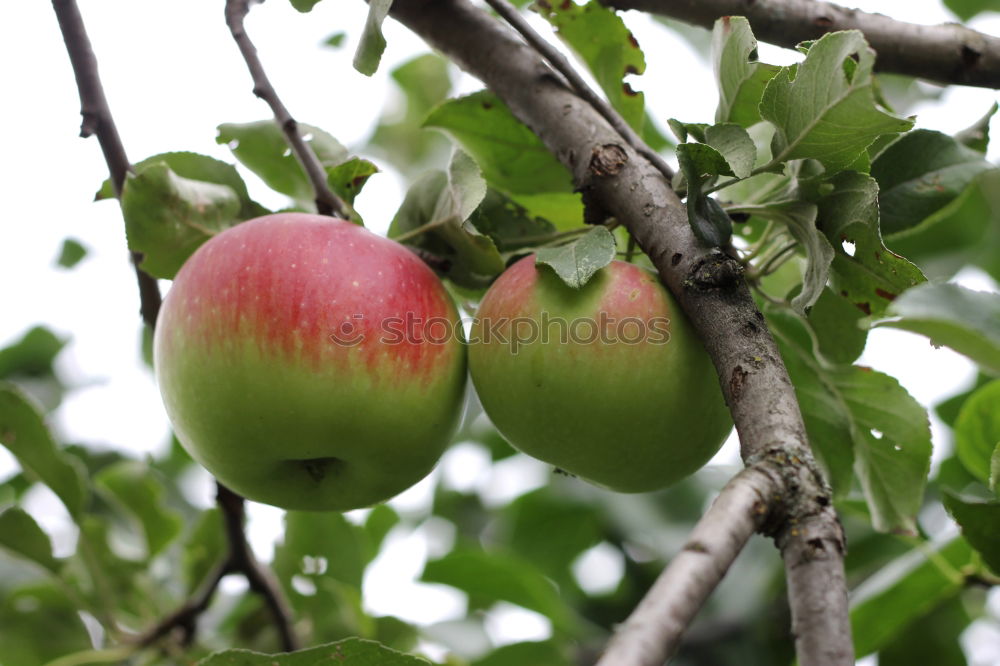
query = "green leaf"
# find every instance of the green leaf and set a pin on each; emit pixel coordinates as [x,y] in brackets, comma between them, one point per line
[824,108]
[966,9]
[348,652]
[167,216]
[372,44]
[857,416]
[735,145]
[576,262]
[501,577]
[800,219]
[198,167]
[965,231]
[934,638]
[995,470]
[32,355]
[21,535]
[980,523]
[71,254]
[952,315]
[977,135]
[740,78]
[921,173]
[599,37]
[139,492]
[709,222]
[40,623]
[348,178]
[463,191]
[977,430]
[700,160]
[381,519]
[551,531]
[865,271]
[905,591]
[318,544]
[262,147]
[336,40]
[684,130]
[434,216]
[508,223]
[204,547]
[25,435]
[836,324]
[549,653]
[562,209]
[304,5]
[512,158]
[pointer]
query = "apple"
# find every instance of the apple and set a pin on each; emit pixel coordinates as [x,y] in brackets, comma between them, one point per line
[309,363]
[608,382]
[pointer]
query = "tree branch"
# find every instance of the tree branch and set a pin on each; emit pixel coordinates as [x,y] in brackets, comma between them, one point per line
[708,285]
[652,632]
[946,53]
[239,559]
[561,65]
[327,202]
[97,120]
[260,579]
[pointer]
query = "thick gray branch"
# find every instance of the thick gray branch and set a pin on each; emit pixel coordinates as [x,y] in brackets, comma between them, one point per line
[946,53]
[327,202]
[615,179]
[653,630]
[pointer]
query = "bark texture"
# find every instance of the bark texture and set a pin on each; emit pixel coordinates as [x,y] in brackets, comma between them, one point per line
[946,53]
[615,179]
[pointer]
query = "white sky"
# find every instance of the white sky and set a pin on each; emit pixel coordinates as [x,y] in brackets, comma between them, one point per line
[172,73]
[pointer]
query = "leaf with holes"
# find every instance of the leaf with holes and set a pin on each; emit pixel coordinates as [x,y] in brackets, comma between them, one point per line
[858,417]
[864,271]
[741,79]
[824,108]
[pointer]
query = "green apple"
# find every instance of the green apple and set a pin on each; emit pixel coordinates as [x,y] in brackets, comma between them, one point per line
[309,363]
[608,382]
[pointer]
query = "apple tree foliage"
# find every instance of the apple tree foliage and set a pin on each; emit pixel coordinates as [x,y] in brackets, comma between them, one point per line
[846,219]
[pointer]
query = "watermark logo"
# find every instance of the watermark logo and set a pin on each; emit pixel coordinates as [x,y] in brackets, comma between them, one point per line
[511,332]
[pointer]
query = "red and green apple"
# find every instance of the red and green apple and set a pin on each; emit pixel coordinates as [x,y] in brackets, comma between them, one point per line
[309,363]
[608,382]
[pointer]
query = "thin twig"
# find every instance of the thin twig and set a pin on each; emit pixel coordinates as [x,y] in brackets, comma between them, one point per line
[327,202]
[653,631]
[561,65]
[97,120]
[239,559]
